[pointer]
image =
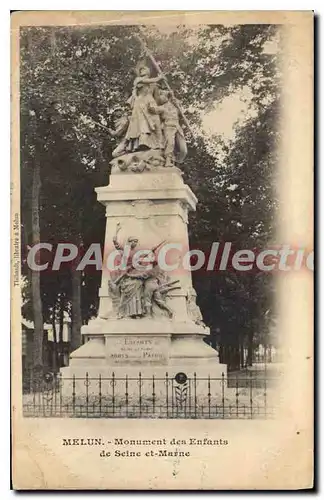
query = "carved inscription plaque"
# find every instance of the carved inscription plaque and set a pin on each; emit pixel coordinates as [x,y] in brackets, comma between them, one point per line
[137,349]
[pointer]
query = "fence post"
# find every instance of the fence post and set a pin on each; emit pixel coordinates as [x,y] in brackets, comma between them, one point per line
[73,394]
[189,395]
[33,388]
[140,392]
[167,393]
[251,395]
[126,394]
[87,392]
[172,395]
[60,389]
[265,393]
[208,395]
[100,394]
[223,394]
[113,392]
[236,396]
[195,393]
[153,394]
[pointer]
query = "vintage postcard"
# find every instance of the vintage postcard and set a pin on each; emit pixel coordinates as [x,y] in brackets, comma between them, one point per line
[162,250]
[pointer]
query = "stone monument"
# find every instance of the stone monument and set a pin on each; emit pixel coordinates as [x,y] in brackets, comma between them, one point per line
[148,320]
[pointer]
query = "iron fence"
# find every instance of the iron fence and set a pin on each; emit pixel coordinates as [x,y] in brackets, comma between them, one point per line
[149,397]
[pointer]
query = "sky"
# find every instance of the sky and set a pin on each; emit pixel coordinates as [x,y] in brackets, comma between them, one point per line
[236,108]
[233,109]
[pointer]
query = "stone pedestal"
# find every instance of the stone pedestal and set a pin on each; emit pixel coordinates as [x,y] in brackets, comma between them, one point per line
[153,207]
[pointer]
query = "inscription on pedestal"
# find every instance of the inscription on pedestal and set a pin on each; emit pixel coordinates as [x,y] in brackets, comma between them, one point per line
[139,349]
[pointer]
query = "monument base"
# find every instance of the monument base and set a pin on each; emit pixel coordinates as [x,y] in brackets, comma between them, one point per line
[145,352]
[143,341]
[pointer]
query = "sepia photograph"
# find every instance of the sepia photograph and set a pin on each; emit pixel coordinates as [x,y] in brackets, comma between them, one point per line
[150,253]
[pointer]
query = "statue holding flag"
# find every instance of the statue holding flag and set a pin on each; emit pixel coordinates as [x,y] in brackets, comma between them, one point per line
[153,135]
[144,129]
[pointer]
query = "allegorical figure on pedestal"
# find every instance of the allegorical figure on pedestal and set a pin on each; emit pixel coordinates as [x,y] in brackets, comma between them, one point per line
[175,147]
[150,134]
[126,286]
[144,130]
[121,122]
[138,289]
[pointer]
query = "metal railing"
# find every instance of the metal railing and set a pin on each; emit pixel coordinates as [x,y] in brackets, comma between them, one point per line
[149,397]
